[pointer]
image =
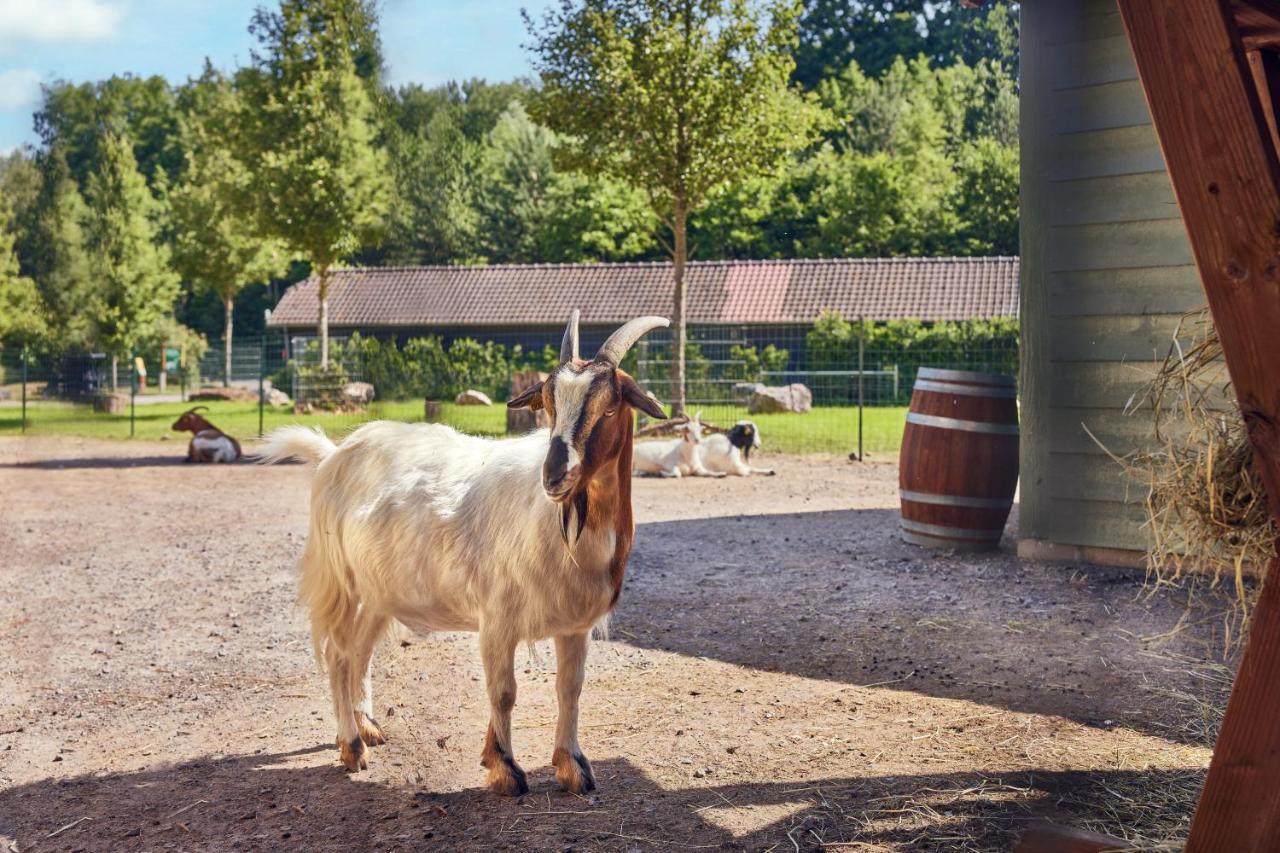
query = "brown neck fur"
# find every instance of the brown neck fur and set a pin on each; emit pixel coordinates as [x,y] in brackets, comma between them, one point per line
[609,502]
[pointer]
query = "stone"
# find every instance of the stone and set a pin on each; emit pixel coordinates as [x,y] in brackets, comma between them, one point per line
[276,397]
[358,393]
[218,392]
[765,399]
[472,397]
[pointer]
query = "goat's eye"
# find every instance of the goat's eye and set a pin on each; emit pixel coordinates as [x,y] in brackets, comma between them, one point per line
[608,413]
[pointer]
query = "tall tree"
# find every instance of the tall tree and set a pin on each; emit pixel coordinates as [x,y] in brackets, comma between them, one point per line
[54,251]
[22,314]
[138,286]
[677,97]
[321,183]
[215,247]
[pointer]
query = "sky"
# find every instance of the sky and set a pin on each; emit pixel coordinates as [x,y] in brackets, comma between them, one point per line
[41,41]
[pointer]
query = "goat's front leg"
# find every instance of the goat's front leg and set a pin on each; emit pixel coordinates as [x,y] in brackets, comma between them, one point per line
[498,652]
[573,771]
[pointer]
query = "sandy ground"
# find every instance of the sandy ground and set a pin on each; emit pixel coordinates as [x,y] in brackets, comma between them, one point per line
[783,673]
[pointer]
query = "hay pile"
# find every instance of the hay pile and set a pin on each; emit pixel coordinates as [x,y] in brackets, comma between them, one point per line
[1205,502]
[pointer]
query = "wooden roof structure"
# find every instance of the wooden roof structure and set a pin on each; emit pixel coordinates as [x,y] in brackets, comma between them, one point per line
[1211,73]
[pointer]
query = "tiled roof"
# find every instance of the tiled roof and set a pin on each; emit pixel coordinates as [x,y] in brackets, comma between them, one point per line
[720,292]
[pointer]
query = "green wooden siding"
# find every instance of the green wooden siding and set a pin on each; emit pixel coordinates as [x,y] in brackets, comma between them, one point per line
[1106,273]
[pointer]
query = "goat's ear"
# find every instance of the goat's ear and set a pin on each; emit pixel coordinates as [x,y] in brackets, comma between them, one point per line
[641,399]
[530,398]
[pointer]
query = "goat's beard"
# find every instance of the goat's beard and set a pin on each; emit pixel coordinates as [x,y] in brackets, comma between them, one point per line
[575,505]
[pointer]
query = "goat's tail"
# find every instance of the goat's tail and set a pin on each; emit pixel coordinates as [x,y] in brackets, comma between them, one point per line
[296,442]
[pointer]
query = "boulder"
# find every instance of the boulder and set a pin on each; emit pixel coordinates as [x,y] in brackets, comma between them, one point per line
[357,393]
[795,397]
[472,397]
[276,397]
[218,392]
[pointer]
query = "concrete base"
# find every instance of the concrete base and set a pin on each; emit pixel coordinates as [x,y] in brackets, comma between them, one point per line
[1056,552]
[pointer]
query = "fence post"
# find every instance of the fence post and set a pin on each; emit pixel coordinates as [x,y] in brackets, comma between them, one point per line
[133,389]
[862,346]
[24,387]
[262,377]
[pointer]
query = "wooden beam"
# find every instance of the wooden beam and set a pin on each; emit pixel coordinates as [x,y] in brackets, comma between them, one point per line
[1265,66]
[1226,176]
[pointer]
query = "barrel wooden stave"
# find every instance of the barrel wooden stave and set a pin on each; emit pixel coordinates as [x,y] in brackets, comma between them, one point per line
[959,463]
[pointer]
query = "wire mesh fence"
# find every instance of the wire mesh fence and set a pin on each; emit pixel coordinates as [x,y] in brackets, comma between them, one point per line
[832,387]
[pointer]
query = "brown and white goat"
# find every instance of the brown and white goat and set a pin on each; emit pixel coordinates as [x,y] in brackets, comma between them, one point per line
[208,443]
[519,539]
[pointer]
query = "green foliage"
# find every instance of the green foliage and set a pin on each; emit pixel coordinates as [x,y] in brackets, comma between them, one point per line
[22,315]
[424,368]
[982,345]
[137,286]
[751,364]
[320,184]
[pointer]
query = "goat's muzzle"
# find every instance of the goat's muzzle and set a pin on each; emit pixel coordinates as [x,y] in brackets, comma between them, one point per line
[558,479]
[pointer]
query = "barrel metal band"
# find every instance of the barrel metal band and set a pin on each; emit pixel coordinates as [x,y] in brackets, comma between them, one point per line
[952,532]
[966,376]
[955,500]
[963,426]
[965,390]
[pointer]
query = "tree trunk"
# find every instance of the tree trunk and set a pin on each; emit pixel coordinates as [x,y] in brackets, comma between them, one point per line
[679,255]
[115,372]
[322,323]
[229,304]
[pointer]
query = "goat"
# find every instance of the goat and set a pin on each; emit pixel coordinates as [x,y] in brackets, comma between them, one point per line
[518,539]
[674,458]
[730,452]
[208,443]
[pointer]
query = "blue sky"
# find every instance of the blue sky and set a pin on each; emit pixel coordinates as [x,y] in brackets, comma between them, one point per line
[424,41]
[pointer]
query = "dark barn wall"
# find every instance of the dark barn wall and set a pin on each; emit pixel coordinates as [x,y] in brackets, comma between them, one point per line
[1106,272]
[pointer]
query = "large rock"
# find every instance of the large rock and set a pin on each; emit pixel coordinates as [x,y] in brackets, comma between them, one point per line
[357,393]
[765,399]
[218,392]
[276,397]
[472,397]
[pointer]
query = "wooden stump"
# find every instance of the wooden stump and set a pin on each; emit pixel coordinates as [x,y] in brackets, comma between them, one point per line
[431,411]
[111,404]
[520,421]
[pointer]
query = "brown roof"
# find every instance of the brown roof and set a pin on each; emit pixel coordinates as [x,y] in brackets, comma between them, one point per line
[720,292]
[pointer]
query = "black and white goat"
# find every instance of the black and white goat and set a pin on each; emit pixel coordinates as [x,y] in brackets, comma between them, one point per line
[729,453]
[678,457]
[518,539]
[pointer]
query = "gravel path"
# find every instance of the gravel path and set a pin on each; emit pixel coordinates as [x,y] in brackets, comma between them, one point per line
[783,671]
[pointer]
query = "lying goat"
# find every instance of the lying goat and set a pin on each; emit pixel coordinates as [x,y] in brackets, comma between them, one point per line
[674,458]
[518,539]
[729,452]
[208,443]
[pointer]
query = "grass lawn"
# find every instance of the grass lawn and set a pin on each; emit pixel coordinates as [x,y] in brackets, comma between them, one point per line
[824,430]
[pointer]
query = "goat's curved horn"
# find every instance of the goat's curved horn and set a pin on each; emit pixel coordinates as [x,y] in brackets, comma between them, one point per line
[196,409]
[569,344]
[613,350]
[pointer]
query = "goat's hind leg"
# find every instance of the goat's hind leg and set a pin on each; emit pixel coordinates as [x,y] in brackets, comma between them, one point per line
[350,745]
[369,629]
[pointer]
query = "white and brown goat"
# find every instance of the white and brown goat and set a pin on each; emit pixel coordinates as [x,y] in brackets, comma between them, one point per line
[208,443]
[518,539]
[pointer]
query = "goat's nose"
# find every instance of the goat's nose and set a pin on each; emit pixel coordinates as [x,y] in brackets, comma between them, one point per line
[556,465]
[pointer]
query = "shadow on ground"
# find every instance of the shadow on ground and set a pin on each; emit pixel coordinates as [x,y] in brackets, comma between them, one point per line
[838,596]
[252,802]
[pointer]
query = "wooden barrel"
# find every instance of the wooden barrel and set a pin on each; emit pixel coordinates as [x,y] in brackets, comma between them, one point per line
[959,464]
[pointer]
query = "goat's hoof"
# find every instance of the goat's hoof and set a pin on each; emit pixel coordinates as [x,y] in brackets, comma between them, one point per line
[506,778]
[370,731]
[352,753]
[573,771]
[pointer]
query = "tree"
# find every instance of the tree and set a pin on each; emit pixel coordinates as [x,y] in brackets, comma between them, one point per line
[22,315]
[215,247]
[138,286]
[320,184]
[54,252]
[676,97]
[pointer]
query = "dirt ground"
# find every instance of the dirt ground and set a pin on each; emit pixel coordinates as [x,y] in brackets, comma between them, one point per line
[783,673]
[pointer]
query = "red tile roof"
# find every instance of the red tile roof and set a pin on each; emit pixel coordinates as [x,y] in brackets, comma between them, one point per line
[720,292]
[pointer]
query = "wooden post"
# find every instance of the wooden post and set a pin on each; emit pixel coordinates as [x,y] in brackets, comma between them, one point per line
[1218,148]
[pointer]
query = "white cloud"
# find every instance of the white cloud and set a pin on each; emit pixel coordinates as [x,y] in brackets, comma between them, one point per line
[19,88]
[59,20]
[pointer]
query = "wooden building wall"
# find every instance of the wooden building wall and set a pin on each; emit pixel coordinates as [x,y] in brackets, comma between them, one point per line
[1106,274]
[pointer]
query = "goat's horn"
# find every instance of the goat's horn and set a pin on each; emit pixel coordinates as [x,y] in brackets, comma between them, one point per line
[613,350]
[569,344]
[196,409]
